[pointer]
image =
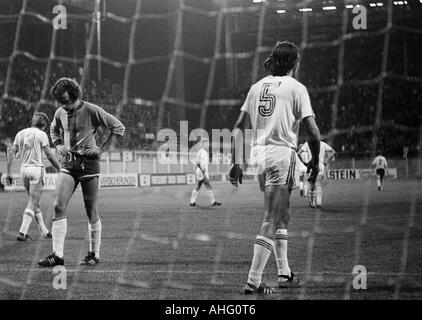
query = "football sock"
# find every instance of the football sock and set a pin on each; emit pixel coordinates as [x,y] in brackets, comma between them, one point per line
[94,237]
[312,197]
[26,221]
[40,222]
[318,195]
[280,252]
[261,252]
[211,194]
[58,231]
[378,182]
[194,196]
[305,188]
[301,185]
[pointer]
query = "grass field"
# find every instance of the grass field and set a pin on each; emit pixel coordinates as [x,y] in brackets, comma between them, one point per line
[155,246]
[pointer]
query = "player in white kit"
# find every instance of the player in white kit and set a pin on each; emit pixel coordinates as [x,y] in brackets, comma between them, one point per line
[303,172]
[381,167]
[29,144]
[326,154]
[202,175]
[276,105]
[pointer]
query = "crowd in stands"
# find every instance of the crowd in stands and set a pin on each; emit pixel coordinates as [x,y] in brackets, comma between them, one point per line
[355,108]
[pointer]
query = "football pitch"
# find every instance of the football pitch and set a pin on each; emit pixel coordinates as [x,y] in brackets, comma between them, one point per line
[155,246]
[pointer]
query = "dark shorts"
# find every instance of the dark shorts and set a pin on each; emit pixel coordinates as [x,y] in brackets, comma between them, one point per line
[81,167]
[381,173]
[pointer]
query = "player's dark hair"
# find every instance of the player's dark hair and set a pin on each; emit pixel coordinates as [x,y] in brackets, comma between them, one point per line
[65,90]
[283,58]
[40,120]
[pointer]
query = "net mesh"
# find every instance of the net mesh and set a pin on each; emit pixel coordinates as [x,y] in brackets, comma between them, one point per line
[209,53]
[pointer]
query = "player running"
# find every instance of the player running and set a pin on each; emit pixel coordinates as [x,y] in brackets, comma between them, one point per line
[381,167]
[73,133]
[276,106]
[202,175]
[326,154]
[30,143]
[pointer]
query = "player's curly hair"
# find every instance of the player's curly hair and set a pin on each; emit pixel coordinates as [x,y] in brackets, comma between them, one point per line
[283,58]
[40,120]
[66,90]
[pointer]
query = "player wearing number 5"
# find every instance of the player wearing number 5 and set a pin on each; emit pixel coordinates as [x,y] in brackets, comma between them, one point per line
[276,105]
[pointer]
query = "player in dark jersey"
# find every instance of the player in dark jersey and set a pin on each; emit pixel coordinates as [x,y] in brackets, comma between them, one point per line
[73,132]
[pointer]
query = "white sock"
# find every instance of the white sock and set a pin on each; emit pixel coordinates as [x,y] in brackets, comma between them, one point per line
[318,196]
[305,188]
[94,237]
[28,215]
[312,197]
[301,185]
[261,252]
[40,222]
[194,196]
[211,194]
[280,252]
[58,232]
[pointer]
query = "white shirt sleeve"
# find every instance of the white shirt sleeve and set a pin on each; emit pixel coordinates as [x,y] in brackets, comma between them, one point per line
[44,140]
[303,107]
[247,105]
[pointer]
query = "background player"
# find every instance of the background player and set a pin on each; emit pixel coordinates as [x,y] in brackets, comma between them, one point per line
[381,167]
[276,105]
[303,172]
[202,174]
[326,154]
[30,143]
[73,132]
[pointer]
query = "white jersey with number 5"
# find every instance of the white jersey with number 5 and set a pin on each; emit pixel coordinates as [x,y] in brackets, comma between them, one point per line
[276,106]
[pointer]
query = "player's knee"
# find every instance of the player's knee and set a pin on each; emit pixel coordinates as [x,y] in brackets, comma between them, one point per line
[267,229]
[59,209]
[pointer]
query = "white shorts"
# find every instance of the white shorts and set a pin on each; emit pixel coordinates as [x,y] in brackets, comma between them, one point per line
[200,176]
[276,165]
[33,175]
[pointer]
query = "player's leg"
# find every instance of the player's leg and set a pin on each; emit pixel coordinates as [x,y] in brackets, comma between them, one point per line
[263,245]
[207,184]
[286,278]
[35,199]
[312,194]
[301,184]
[41,225]
[66,185]
[381,178]
[90,191]
[378,173]
[305,184]
[28,214]
[195,192]
[318,191]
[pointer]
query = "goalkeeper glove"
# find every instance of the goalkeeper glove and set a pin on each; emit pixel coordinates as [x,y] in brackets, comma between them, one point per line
[235,175]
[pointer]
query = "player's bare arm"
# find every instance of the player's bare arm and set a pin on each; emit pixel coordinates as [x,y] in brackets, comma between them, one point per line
[51,157]
[235,174]
[314,146]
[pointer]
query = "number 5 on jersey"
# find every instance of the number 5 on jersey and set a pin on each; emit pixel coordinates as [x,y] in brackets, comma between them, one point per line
[267,100]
